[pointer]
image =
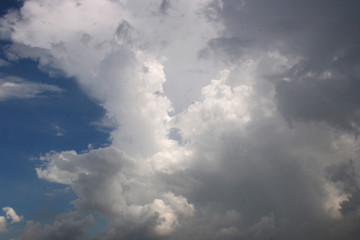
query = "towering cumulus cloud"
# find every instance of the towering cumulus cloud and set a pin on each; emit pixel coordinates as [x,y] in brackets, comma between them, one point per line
[233,119]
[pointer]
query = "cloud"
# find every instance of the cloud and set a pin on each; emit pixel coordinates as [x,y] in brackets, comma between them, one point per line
[59,130]
[344,175]
[14,87]
[2,224]
[4,63]
[164,6]
[120,191]
[66,226]
[11,214]
[9,218]
[252,163]
[322,84]
[224,163]
[246,171]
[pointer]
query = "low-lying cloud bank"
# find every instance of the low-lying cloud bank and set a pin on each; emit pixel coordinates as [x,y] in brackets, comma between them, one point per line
[267,149]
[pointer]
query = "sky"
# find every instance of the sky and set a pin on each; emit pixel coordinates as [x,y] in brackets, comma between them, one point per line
[169,119]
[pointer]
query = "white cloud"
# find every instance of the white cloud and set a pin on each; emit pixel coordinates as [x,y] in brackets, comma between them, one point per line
[219,104]
[119,189]
[9,218]
[13,87]
[11,214]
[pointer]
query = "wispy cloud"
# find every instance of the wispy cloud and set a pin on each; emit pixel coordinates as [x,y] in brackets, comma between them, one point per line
[16,88]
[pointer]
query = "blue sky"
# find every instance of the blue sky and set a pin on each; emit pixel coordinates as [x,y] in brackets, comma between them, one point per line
[165,119]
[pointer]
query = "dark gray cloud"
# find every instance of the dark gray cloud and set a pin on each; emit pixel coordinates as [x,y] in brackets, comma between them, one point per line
[67,226]
[227,50]
[324,34]
[165,6]
[269,190]
[344,174]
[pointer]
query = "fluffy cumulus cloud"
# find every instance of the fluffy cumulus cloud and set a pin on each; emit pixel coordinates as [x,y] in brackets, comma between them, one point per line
[234,119]
[9,218]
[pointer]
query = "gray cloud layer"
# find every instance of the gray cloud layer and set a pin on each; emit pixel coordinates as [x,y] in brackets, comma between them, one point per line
[266,150]
[323,85]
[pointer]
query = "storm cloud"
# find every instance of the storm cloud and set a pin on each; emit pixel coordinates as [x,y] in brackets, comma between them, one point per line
[234,119]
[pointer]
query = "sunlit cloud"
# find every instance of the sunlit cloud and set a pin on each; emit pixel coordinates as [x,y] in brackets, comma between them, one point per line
[226,119]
